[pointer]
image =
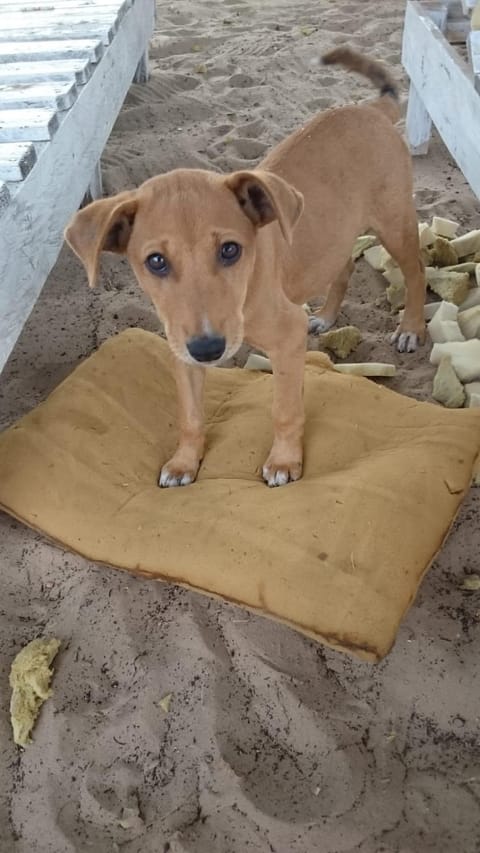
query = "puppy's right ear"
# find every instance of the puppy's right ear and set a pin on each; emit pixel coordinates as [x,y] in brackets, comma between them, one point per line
[103,226]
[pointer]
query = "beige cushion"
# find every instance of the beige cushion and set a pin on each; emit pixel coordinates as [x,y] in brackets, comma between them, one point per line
[338,555]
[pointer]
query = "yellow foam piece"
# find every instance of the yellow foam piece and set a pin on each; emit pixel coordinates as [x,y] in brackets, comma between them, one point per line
[338,555]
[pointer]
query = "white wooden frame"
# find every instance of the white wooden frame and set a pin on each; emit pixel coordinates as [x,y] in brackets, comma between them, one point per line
[474,56]
[34,212]
[442,91]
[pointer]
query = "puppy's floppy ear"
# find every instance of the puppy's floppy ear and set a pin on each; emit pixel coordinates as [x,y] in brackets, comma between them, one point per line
[103,226]
[265,197]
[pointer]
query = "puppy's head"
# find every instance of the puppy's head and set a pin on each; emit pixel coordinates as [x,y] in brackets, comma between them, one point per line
[191,238]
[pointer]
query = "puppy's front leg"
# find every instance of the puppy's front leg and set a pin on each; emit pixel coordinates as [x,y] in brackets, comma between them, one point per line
[287,356]
[182,468]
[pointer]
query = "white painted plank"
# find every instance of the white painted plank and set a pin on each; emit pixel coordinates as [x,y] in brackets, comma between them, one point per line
[16,161]
[32,226]
[474,54]
[418,121]
[474,44]
[40,21]
[58,95]
[4,197]
[443,82]
[40,25]
[65,30]
[36,18]
[78,70]
[27,125]
[26,51]
[12,6]
[59,5]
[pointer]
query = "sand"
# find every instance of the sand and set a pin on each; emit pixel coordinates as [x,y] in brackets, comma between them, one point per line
[270,742]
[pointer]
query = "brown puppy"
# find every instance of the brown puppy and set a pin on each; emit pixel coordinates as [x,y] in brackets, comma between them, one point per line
[198,246]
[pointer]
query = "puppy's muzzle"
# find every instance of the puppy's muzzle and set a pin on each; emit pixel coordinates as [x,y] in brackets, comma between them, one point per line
[205,348]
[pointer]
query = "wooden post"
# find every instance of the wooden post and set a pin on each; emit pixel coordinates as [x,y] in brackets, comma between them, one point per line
[474,54]
[142,73]
[95,187]
[418,124]
[418,121]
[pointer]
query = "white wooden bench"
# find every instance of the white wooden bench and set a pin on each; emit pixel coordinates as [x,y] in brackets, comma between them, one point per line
[444,88]
[65,69]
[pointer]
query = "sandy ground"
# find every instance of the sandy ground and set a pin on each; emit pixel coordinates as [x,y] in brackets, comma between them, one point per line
[271,743]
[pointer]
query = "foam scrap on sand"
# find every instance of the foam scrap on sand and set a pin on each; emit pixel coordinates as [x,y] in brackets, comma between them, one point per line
[30,678]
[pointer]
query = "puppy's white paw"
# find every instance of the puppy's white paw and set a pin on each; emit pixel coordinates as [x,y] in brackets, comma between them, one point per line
[172,477]
[318,324]
[280,475]
[405,341]
[275,478]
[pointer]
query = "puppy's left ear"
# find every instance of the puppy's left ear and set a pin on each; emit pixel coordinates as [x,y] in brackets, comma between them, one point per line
[265,197]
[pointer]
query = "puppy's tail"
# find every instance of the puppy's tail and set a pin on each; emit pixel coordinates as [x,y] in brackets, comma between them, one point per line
[375,71]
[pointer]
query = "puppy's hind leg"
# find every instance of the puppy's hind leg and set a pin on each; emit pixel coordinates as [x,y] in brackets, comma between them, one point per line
[327,316]
[399,235]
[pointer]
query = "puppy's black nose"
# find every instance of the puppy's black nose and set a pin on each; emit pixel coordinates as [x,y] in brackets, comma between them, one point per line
[206,347]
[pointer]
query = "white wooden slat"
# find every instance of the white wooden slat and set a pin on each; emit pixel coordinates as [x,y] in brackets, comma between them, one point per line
[444,84]
[65,30]
[11,21]
[79,70]
[59,95]
[16,161]
[474,43]
[27,125]
[12,6]
[93,20]
[474,55]
[4,197]
[35,21]
[28,51]
[31,233]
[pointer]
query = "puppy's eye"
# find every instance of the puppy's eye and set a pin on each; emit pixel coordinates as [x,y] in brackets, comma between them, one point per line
[157,264]
[229,253]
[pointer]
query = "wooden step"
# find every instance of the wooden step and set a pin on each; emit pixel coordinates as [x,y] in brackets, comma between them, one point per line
[58,95]
[27,125]
[33,51]
[77,70]
[17,159]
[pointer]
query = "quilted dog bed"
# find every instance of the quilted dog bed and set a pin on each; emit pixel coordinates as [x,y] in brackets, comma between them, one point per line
[338,555]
